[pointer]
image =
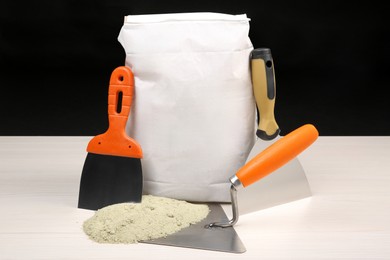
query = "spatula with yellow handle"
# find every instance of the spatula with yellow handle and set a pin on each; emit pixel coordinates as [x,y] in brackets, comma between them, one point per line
[289,183]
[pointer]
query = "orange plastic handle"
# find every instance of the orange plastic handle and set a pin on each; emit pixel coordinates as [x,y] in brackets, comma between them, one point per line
[277,154]
[120,97]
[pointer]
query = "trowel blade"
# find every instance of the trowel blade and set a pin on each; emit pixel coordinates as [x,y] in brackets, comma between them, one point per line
[287,184]
[199,237]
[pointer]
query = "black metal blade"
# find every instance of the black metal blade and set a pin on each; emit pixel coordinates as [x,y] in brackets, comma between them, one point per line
[107,180]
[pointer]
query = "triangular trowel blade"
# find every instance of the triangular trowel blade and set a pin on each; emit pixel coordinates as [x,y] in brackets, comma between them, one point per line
[199,237]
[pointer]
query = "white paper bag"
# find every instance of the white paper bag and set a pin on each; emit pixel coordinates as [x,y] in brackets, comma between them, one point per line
[194,111]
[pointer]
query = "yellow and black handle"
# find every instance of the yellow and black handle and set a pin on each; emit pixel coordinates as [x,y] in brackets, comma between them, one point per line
[263,80]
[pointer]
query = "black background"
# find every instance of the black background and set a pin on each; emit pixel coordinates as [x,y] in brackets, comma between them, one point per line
[331,62]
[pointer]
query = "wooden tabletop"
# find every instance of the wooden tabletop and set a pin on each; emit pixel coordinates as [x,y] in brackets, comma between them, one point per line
[347,216]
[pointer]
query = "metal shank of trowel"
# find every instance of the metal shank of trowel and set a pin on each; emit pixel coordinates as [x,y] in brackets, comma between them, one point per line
[236,183]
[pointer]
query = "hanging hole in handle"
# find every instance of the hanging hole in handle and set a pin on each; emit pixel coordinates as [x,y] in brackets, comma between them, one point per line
[268,63]
[119,97]
[120,78]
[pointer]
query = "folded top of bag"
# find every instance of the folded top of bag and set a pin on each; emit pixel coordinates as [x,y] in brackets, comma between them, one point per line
[195,16]
[185,32]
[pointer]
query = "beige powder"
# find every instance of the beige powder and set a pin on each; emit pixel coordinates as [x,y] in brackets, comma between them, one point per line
[155,217]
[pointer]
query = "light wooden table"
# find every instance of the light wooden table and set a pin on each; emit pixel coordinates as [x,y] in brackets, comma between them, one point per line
[348,216]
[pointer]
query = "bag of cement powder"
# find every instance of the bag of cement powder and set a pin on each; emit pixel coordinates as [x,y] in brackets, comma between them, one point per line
[194,111]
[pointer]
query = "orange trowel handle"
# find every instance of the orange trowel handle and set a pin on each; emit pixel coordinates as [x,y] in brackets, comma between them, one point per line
[120,97]
[277,154]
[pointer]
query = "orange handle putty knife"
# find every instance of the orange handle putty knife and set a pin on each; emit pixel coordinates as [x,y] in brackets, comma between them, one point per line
[112,171]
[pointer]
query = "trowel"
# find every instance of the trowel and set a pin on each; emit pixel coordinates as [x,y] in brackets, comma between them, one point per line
[216,231]
[289,183]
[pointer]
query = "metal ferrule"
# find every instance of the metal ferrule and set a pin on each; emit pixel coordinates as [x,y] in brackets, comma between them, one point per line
[236,182]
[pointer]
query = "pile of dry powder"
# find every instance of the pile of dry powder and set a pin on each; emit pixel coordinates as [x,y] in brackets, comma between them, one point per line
[155,217]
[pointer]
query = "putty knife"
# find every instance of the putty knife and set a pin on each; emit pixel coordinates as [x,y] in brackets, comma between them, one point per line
[216,231]
[112,171]
[290,182]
